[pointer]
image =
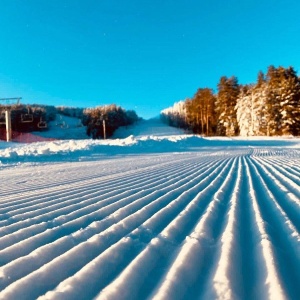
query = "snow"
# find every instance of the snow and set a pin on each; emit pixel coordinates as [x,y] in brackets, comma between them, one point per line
[153,213]
[65,127]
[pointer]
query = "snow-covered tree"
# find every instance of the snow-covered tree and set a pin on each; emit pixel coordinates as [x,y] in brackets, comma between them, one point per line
[175,115]
[283,93]
[290,102]
[259,100]
[271,106]
[250,110]
[70,111]
[228,91]
[244,111]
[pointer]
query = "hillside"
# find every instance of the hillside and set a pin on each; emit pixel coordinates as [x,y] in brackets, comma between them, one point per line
[71,128]
[64,127]
[152,127]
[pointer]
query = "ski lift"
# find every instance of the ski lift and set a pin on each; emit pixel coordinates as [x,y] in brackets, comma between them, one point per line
[27,118]
[42,124]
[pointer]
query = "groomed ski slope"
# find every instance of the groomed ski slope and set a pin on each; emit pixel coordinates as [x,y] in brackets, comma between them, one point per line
[150,217]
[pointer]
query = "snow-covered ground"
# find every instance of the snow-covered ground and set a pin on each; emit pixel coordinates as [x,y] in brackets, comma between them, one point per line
[151,214]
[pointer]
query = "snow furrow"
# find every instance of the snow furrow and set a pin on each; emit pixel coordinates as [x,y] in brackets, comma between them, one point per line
[102,181]
[194,254]
[69,189]
[224,282]
[290,181]
[79,279]
[289,202]
[48,243]
[114,216]
[287,169]
[281,232]
[62,225]
[69,262]
[91,208]
[72,176]
[213,223]
[98,186]
[268,268]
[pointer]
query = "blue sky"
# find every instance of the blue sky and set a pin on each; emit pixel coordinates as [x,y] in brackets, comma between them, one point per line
[139,54]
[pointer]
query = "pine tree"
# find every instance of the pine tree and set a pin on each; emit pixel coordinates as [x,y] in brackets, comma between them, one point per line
[176,115]
[244,111]
[102,121]
[200,111]
[289,102]
[259,100]
[209,116]
[269,107]
[283,93]
[272,111]
[228,91]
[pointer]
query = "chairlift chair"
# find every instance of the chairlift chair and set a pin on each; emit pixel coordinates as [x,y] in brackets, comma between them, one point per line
[26,118]
[42,124]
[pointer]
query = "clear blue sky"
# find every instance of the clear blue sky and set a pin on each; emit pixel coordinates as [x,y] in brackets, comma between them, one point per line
[139,54]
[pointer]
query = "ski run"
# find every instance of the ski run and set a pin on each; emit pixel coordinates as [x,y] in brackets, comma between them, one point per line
[150,217]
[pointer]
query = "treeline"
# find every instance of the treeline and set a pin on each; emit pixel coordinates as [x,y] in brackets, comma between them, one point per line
[270,106]
[75,112]
[102,121]
[27,118]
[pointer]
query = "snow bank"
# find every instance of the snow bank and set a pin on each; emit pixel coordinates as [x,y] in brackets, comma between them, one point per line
[80,149]
[150,136]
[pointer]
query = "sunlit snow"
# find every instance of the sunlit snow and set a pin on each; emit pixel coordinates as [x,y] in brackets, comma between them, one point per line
[154,213]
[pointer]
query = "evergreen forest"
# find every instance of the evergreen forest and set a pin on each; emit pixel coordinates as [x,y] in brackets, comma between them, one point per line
[268,107]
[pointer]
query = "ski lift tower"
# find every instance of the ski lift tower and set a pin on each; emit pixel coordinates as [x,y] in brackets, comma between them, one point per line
[8,103]
[103,118]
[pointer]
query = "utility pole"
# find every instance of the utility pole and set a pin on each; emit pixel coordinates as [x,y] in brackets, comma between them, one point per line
[103,118]
[104,129]
[7,106]
[8,125]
